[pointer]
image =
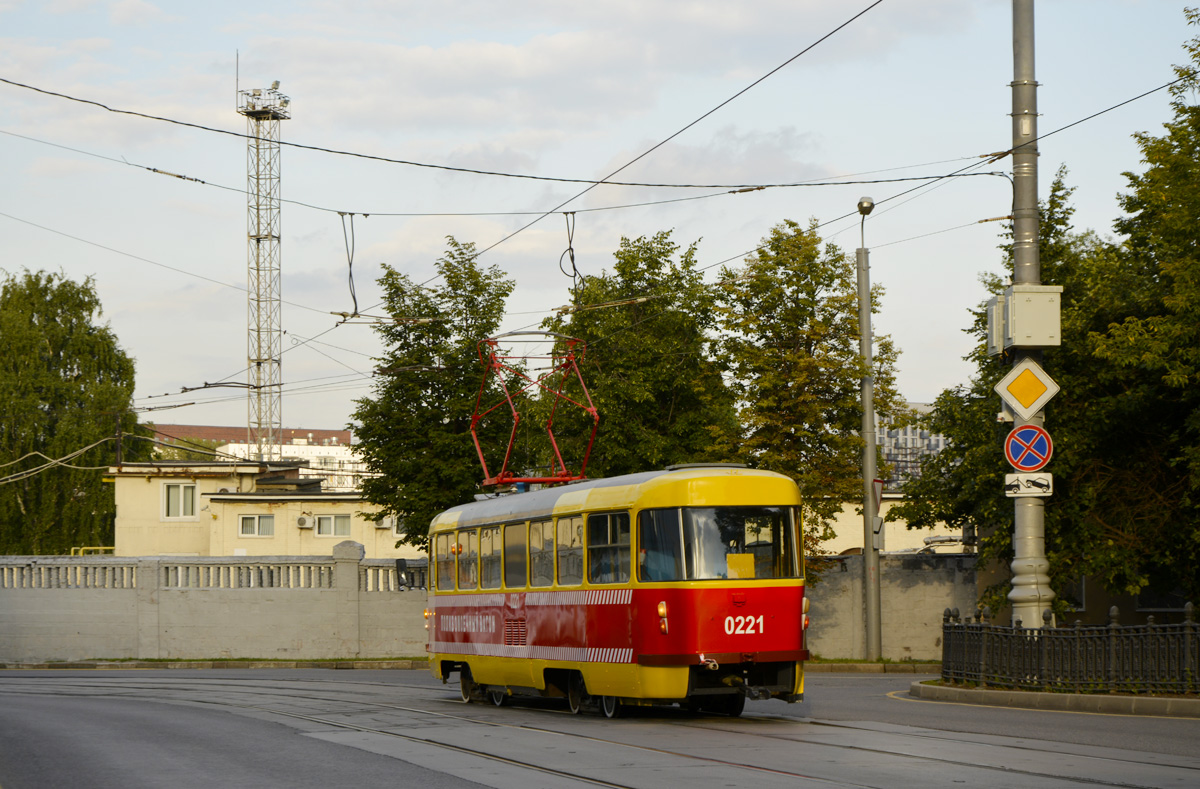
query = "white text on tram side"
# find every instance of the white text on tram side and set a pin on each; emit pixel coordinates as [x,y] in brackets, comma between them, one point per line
[743,625]
[467,623]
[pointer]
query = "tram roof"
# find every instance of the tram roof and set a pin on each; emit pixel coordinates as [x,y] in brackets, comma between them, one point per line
[541,503]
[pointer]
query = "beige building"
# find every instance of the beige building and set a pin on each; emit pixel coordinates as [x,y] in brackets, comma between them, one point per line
[897,537]
[238,508]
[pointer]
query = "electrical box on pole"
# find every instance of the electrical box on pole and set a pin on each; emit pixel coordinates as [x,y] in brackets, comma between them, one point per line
[1032,316]
[1024,316]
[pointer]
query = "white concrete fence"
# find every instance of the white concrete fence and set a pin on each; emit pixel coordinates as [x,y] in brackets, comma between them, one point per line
[346,608]
[292,608]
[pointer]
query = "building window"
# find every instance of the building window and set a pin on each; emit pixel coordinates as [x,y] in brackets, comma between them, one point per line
[179,500]
[257,526]
[333,525]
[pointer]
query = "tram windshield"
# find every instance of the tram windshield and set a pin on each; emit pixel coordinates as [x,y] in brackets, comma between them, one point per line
[713,543]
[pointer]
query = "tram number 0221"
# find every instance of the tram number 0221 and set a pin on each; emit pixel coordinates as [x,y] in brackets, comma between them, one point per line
[743,625]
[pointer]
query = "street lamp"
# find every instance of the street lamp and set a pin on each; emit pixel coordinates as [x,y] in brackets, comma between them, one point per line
[871,521]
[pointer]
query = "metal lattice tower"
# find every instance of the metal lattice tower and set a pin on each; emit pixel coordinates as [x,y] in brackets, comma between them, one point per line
[264,109]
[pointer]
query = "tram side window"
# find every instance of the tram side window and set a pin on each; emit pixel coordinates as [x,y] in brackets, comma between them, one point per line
[608,548]
[468,559]
[445,562]
[514,555]
[660,545]
[490,557]
[570,551]
[541,554]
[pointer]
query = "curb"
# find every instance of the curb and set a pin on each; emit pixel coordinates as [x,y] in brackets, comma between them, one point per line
[872,668]
[1062,702]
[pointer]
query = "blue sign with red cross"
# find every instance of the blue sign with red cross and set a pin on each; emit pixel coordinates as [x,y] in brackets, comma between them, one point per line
[1028,448]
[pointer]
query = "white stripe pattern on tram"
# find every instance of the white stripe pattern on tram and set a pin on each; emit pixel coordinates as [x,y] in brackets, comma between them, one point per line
[532,599]
[569,654]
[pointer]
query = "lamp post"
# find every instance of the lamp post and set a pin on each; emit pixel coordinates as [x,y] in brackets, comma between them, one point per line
[871,594]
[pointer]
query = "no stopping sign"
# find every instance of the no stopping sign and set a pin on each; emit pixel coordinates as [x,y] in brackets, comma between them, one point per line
[1028,448]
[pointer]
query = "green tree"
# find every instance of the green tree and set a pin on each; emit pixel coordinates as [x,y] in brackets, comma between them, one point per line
[962,486]
[1157,344]
[201,449]
[648,326]
[65,385]
[414,430]
[1118,515]
[790,314]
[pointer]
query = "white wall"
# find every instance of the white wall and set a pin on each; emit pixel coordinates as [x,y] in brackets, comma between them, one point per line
[159,608]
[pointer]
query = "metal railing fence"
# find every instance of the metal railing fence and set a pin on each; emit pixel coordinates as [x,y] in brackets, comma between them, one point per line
[1112,658]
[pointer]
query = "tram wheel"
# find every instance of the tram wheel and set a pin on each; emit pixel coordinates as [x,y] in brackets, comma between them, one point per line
[467,687]
[576,693]
[611,707]
[498,697]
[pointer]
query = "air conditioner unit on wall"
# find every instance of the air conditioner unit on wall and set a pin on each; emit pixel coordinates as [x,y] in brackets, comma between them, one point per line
[303,522]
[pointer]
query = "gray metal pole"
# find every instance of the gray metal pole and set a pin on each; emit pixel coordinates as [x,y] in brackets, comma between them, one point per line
[871,595]
[1031,592]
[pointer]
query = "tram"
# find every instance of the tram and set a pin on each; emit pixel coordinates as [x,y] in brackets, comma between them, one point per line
[680,586]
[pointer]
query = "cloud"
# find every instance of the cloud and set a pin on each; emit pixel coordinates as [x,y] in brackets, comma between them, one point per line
[53,167]
[136,13]
[729,156]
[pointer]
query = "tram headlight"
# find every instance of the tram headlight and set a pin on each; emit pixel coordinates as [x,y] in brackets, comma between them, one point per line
[804,608]
[662,613]
[662,609]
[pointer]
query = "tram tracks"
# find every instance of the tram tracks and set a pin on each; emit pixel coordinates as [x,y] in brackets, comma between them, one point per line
[275,697]
[346,725]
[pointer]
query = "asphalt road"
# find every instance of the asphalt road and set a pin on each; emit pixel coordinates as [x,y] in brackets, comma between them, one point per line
[322,728]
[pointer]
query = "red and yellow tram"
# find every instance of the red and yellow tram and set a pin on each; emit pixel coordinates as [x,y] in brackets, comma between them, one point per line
[678,586]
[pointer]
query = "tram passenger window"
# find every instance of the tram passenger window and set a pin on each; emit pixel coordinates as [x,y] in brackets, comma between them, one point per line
[514,555]
[490,556]
[660,546]
[541,554]
[445,562]
[570,551]
[608,548]
[468,559]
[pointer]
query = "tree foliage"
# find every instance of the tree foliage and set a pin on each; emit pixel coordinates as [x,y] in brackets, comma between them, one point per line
[790,314]
[65,384]
[414,429]
[1123,511]
[198,449]
[962,486]
[648,325]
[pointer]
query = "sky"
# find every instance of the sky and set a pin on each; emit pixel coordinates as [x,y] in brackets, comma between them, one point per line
[565,90]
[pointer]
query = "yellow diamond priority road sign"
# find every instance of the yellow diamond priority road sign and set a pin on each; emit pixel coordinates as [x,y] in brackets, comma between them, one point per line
[1026,388]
